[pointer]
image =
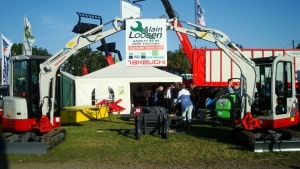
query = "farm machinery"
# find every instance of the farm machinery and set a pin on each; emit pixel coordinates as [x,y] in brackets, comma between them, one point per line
[266,106]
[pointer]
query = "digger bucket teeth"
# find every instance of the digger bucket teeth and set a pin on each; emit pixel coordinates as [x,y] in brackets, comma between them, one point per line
[277,146]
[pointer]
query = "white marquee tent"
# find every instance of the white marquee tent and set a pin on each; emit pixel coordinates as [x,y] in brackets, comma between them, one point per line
[117,79]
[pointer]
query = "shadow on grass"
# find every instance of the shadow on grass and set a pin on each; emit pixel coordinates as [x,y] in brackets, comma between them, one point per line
[72,124]
[129,133]
[127,127]
[210,130]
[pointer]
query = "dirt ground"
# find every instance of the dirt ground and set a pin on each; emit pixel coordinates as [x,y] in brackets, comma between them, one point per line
[93,165]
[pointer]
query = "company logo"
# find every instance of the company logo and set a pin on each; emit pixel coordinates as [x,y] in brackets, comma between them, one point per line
[149,62]
[145,32]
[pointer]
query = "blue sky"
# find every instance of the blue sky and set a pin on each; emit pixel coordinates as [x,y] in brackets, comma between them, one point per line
[251,23]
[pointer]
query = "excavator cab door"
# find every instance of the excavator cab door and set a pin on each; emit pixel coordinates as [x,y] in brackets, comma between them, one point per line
[276,104]
[286,104]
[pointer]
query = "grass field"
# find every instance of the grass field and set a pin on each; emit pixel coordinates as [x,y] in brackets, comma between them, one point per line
[101,142]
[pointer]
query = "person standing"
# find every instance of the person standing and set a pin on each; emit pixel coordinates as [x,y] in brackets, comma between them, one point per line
[159,96]
[147,100]
[194,97]
[184,98]
[169,96]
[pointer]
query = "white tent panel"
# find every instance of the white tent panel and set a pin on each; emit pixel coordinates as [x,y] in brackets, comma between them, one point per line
[117,78]
[89,90]
[134,74]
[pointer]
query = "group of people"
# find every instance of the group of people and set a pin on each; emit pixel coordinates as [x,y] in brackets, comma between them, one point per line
[179,98]
[176,96]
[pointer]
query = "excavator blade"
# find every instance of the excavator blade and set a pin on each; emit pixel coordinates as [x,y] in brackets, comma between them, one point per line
[26,148]
[19,144]
[277,146]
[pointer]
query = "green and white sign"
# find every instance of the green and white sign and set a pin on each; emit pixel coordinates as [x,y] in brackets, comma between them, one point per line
[146,42]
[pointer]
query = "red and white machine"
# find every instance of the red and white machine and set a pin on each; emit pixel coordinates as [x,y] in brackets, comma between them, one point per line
[31,113]
[260,116]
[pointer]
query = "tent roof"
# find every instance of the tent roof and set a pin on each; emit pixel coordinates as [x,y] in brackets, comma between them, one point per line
[119,70]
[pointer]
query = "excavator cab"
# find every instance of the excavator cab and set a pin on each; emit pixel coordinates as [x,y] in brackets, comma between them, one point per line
[24,92]
[276,103]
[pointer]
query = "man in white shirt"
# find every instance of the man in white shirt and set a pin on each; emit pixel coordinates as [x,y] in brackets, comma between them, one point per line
[184,98]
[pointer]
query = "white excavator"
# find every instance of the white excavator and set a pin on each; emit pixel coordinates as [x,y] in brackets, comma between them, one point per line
[31,115]
[266,106]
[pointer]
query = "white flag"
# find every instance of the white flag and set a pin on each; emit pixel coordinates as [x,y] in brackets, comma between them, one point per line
[6,45]
[199,14]
[28,38]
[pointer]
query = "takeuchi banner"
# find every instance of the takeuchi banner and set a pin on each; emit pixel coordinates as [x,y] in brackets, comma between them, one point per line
[146,42]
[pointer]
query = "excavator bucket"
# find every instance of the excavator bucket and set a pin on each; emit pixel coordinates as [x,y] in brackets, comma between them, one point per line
[277,146]
[82,27]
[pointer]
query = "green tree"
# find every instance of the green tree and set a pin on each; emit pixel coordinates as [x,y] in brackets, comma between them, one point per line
[40,51]
[17,48]
[177,61]
[93,60]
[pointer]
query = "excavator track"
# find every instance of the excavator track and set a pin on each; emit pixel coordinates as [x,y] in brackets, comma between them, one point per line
[31,142]
[54,137]
[281,140]
[244,138]
[289,133]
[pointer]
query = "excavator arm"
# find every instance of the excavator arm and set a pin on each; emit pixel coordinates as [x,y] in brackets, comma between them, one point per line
[246,66]
[183,37]
[49,68]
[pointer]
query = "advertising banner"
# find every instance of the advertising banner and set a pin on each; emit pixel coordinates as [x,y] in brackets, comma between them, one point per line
[146,42]
[6,45]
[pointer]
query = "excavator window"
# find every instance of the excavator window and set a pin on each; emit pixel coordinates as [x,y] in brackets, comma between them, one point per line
[283,87]
[20,78]
[263,81]
[25,82]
